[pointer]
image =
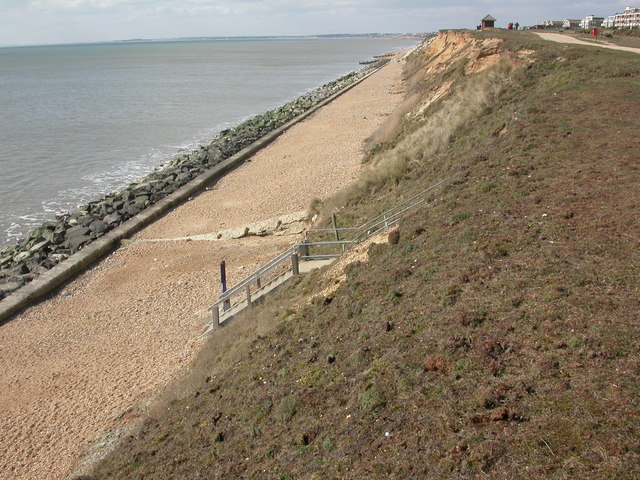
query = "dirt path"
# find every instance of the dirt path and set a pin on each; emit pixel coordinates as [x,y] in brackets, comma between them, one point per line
[562,38]
[78,366]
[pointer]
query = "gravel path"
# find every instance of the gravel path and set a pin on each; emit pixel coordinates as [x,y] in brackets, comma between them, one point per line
[562,38]
[78,366]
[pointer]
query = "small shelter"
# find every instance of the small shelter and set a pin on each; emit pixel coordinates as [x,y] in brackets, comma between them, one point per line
[488,22]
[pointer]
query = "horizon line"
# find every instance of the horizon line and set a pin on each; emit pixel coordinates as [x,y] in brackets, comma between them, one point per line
[226,37]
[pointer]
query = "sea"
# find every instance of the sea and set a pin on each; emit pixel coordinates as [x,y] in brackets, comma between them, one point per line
[78,121]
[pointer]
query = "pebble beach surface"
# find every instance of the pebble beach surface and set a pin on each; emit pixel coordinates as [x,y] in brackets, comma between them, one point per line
[78,366]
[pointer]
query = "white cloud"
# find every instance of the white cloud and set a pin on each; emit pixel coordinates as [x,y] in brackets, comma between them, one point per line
[61,21]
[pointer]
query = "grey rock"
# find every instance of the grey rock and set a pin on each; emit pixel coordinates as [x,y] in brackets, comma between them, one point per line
[21,256]
[132,209]
[143,188]
[39,269]
[112,219]
[36,234]
[98,226]
[53,236]
[10,287]
[183,178]
[74,243]
[58,257]
[6,260]
[39,246]
[19,270]
[86,220]
[78,230]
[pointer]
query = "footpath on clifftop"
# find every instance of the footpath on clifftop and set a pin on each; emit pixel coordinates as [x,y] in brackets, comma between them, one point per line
[561,38]
[80,365]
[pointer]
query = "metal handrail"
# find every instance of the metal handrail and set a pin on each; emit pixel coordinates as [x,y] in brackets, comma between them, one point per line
[385,216]
[329,242]
[369,228]
[401,204]
[284,256]
[340,229]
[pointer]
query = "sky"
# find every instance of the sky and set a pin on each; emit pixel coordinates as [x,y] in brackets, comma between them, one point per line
[42,22]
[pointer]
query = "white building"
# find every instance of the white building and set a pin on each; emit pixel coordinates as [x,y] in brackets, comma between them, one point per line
[630,18]
[571,23]
[590,22]
[609,22]
[553,23]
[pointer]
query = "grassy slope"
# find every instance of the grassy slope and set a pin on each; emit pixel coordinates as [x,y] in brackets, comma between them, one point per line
[499,337]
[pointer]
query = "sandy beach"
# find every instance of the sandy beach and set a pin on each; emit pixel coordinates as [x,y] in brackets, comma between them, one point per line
[79,365]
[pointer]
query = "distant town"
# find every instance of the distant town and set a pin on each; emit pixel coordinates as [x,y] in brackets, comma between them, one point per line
[418,36]
[627,19]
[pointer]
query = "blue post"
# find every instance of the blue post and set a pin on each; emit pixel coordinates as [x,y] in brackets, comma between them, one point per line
[223,276]
[223,279]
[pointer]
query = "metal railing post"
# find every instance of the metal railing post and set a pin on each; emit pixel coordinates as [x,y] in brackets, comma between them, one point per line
[215,317]
[247,290]
[302,250]
[334,222]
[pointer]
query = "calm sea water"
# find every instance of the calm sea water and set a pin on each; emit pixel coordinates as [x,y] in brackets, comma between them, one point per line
[78,121]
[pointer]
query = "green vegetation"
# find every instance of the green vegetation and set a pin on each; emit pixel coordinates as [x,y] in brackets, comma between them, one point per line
[498,338]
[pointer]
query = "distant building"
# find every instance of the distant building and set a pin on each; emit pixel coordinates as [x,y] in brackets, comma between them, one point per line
[488,22]
[572,23]
[553,24]
[630,18]
[590,22]
[609,22]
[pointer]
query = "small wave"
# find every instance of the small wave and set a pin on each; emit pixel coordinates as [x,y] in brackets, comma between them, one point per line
[14,227]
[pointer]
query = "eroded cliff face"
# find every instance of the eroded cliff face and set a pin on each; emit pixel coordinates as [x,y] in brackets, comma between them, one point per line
[450,80]
[431,68]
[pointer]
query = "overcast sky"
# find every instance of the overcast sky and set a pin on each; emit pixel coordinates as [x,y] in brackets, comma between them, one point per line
[34,22]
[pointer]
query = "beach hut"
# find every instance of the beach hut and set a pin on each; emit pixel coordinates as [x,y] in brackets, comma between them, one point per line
[488,22]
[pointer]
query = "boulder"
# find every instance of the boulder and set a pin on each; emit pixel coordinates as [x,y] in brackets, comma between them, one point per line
[133,209]
[182,178]
[53,236]
[112,219]
[21,256]
[18,270]
[78,230]
[58,257]
[74,243]
[6,260]
[142,200]
[86,220]
[98,226]
[39,246]
[9,287]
